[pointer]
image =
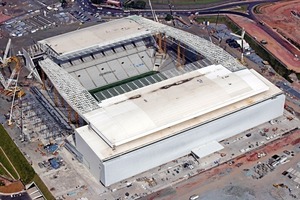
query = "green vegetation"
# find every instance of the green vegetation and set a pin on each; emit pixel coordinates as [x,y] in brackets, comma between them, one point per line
[25,170]
[168,17]
[7,166]
[3,172]
[265,55]
[138,4]
[42,187]
[97,1]
[16,157]
[121,82]
[185,2]
[278,66]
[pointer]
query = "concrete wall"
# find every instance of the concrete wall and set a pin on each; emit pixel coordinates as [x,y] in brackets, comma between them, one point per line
[167,150]
[90,159]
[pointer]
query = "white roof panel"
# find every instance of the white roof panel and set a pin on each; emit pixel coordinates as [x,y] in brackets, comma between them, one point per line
[98,35]
[105,151]
[171,102]
[207,149]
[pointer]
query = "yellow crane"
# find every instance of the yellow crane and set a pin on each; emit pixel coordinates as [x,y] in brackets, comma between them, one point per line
[14,62]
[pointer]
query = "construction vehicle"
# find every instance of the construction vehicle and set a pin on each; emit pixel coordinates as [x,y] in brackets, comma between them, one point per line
[280,185]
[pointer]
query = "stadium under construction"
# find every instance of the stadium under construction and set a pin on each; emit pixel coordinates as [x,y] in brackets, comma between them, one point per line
[145,94]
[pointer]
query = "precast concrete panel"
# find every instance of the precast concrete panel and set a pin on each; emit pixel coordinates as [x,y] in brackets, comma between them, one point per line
[85,79]
[146,59]
[95,76]
[118,69]
[128,66]
[166,150]
[138,63]
[107,73]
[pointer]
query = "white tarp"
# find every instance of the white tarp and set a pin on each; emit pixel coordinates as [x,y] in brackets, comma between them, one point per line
[207,149]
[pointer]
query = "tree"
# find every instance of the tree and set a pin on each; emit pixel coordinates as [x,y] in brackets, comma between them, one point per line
[63,3]
[97,1]
[140,4]
[168,17]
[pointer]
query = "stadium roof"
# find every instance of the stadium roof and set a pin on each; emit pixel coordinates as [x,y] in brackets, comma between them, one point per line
[93,38]
[157,111]
[208,49]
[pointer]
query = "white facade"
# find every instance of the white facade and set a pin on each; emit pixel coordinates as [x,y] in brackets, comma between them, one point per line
[145,158]
[247,100]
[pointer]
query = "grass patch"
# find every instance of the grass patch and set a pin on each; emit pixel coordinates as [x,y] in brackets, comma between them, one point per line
[16,157]
[4,173]
[7,166]
[38,181]
[25,170]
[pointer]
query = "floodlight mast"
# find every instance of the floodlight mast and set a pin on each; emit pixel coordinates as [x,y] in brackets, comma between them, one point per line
[153,12]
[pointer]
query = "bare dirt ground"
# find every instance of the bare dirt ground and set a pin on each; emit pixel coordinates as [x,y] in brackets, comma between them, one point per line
[11,186]
[228,182]
[3,17]
[273,46]
[279,16]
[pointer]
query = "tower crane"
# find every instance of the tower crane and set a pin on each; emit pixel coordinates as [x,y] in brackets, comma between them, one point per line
[17,67]
[9,61]
[153,12]
[15,63]
[242,38]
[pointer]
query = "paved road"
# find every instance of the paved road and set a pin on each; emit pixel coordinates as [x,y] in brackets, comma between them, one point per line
[219,9]
[272,33]
[19,196]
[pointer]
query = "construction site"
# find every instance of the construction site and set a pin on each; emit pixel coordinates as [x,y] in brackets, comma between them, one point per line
[134,90]
[284,18]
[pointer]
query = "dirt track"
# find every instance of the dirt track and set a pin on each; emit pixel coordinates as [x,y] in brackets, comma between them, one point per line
[279,17]
[222,176]
[273,46]
[11,187]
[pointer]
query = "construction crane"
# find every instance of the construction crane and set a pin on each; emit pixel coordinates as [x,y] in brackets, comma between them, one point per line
[242,38]
[171,12]
[12,102]
[15,63]
[10,62]
[17,67]
[153,12]
[4,59]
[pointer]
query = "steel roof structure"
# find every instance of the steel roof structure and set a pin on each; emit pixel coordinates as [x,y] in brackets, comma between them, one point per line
[69,88]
